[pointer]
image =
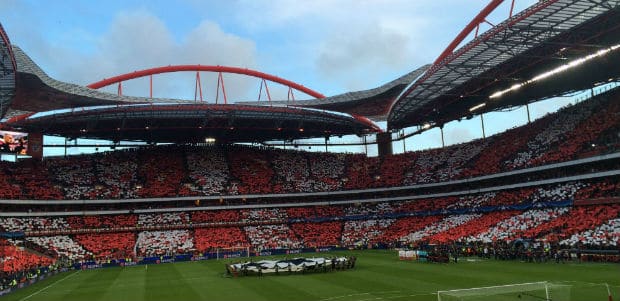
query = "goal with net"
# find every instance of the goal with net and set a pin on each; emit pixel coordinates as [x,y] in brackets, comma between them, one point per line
[539,291]
[235,252]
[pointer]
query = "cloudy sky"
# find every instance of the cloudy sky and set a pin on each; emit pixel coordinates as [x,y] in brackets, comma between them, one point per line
[331,46]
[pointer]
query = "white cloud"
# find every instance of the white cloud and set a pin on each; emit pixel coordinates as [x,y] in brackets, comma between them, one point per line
[332,46]
[356,58]
[358,44]
[137,40]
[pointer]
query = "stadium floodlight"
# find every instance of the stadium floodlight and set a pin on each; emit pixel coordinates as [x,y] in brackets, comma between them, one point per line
[570,65]
[426,126]
[209,140]
[478,106]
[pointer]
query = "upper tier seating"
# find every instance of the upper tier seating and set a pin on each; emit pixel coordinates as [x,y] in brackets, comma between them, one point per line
[585,129]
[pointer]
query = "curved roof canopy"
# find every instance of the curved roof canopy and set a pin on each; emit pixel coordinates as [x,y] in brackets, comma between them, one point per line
[182,123]
[543,37]
[372,103]
[8,70]
[52,107]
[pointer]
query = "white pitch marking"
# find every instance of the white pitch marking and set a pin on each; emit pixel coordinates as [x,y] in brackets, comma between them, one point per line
[37,292]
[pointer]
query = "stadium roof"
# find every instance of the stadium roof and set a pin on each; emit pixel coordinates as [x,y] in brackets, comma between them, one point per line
[543,37]
[492,72]
[372,103]
[37,92]
[192,122]
[52,107]
[8,71]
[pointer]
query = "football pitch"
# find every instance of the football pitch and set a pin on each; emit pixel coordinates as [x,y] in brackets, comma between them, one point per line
[378,275]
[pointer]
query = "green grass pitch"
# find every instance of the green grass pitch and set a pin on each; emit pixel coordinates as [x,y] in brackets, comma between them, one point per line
[378,275]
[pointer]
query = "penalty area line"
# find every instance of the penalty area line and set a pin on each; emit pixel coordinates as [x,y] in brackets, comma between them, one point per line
[39,291]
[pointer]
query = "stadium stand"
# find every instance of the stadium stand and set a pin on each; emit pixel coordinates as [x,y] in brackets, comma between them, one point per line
[211,239]
[471,228]
[579,212]
[363,232]
[14,259]
[607,234]
[220,216]
[172,171]
[158,243]
[208,170]
[512,227]
[314,235]
[62,246]
[108,245]
[272,237]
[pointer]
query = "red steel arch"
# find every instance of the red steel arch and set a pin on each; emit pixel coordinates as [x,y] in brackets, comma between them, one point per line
[182,68]
[474,24]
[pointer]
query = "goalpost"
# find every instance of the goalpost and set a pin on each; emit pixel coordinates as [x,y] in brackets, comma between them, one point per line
[536,291]
[234,252]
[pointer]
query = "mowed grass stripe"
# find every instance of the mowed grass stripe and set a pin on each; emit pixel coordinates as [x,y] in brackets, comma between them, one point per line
[379,275]
[91,284]
[165,282]
[128,285]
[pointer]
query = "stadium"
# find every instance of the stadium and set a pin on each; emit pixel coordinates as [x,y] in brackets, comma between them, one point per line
[215,199]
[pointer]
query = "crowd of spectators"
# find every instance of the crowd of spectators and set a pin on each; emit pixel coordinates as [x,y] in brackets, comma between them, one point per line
[327,170]
[166,218]
[159,243]
[353,225]
[313,235]
[14,259]
[577,219]
[216,216]
[559,192]
[62,245]
[211,239]
[314,212]
[607,234]
[102,221]
[116,172]
[108,245]
[472,227]
[581,139]
[28,224]
[280,236]
[363,232]
[291,172]
[585,129]
[161,171]
[443,225]
[251,171]
[514,226]
[208,170]
[264,214]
